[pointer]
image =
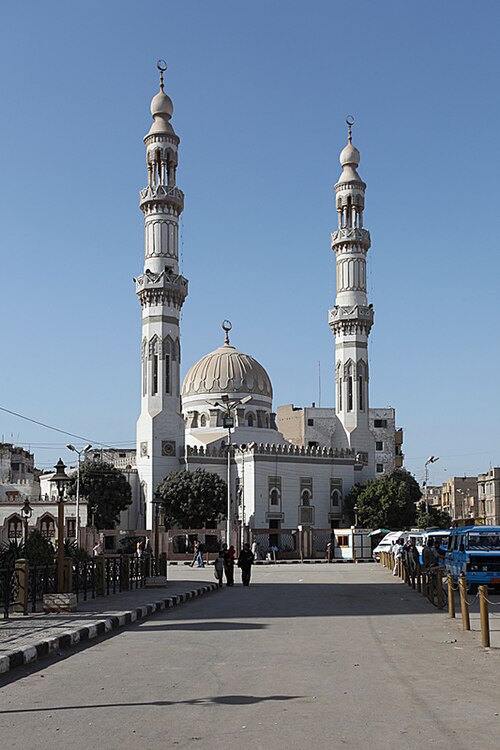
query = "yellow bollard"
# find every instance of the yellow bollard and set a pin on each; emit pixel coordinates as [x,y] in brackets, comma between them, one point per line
[451,596]
[419,582]
[424,583]
[485,620]
[464,604]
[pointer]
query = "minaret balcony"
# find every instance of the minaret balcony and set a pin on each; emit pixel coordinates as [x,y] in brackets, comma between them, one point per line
[350,234]
[161,288]
[162,194]
[355,319]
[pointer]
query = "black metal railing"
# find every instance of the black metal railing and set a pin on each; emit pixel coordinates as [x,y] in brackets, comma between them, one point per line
[85,579]
[42,579]
[9,589]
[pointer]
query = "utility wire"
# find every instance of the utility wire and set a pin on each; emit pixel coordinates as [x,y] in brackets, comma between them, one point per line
[55,429]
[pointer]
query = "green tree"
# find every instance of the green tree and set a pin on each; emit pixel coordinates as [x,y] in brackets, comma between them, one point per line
[191,499]
[106,490]
[387,502]
[434,518]
[10,552]
[38,549]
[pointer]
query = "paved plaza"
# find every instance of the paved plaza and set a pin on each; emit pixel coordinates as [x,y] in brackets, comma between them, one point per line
[325,656]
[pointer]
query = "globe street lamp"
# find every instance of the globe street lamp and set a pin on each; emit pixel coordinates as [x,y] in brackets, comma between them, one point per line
[430,460]
[60,479]
[84,451]
[26,513]
[228,406]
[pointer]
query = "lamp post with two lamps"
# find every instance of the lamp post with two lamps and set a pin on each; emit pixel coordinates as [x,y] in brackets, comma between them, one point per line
[84,451]
[26,513]
[60,479]
[430,460]
[228,406]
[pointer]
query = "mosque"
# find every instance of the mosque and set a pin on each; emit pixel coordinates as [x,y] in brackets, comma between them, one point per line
[288,468]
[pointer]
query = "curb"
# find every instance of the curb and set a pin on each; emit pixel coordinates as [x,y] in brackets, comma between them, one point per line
[30,654]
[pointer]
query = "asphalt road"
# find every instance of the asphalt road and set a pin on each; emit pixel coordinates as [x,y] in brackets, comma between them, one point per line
[323,656]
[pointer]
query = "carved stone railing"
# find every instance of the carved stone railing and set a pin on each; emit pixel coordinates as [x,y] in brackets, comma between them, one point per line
[163,193]
[157,288]
[351,319]
[348,234]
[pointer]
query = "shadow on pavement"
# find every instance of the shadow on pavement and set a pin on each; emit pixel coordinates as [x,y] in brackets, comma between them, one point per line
[212,625]
[233,700]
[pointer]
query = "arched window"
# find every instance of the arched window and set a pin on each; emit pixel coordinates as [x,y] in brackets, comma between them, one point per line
[154,353]
[47,527]
[250,420]
[305,497]
[203,420]
[335,498]
[144,367]
[274,496]
[15,528]
[167,345]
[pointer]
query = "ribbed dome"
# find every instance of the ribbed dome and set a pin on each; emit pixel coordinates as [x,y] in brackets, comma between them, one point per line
[227,370]
[161,105]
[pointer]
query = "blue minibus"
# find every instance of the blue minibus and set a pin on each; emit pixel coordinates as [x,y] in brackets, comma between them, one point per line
[475,551]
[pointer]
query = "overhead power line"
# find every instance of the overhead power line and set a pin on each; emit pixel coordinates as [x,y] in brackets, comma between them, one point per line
[55,429]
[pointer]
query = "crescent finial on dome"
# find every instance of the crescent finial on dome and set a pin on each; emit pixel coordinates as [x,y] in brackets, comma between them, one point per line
[226,326]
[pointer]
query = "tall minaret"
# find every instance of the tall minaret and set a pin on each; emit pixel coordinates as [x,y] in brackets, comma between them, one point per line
[351,319]
[161,291]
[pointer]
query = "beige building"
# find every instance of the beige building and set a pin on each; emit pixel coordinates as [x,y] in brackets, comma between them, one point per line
[314,426]
[488,487]
[460,498]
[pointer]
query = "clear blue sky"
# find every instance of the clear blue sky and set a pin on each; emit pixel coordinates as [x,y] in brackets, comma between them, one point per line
[260,92]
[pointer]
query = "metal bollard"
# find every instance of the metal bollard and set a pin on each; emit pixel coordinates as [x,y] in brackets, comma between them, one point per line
[464,604]
[485,620]
[439,586]
[451,596]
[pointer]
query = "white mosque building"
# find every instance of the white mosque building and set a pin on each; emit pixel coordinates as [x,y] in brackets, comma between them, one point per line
[288,471]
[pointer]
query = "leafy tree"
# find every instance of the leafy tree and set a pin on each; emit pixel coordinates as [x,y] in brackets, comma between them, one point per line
[434,518]
[106,490]
[191,499]
[38,549]
[387,502]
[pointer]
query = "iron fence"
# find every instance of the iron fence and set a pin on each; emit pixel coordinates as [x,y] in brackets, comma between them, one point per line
[9,589]
[85,579]
[42,579]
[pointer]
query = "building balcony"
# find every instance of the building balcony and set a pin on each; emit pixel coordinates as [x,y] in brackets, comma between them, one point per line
[162,194]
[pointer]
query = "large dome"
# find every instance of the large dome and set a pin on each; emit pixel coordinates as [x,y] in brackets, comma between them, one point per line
[227,370]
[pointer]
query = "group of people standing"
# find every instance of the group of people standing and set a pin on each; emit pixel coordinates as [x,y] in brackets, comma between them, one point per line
[225,562]
[432,555]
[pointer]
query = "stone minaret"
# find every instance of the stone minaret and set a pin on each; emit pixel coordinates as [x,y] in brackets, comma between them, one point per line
[351,319]
[161,290]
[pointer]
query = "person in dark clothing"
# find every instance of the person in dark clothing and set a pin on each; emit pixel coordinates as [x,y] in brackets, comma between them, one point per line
[412,559]
[245,562]
[229,565]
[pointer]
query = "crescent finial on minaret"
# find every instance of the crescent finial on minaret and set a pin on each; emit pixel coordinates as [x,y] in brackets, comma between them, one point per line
[162,67]
[350,122]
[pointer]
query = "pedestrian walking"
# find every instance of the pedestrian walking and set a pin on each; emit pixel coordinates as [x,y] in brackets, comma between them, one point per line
[412,559]
[397,553]
[245,562]
[228,557]
[195,554]
[199,556]
[219,566]
[255,550]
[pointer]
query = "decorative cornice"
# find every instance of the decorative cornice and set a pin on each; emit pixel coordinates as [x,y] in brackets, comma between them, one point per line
[280,449]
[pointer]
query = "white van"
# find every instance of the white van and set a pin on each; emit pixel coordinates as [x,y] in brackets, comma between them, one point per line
[385,544]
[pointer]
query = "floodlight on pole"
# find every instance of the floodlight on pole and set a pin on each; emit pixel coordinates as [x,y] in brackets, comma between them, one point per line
[84,450]
[430,460]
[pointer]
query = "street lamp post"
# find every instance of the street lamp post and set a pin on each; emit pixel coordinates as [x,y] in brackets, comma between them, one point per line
[84,450]
[26,513]
[430,460]
[156,505]
[60,479]
[228,406]
[355,509]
